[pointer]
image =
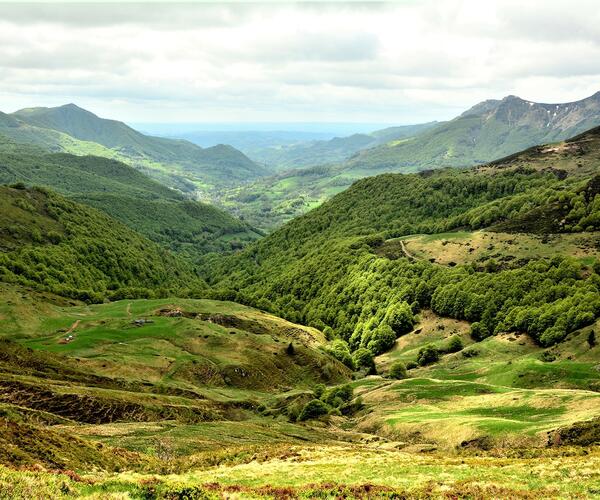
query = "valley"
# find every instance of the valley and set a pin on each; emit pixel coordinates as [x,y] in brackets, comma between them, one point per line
[428,333]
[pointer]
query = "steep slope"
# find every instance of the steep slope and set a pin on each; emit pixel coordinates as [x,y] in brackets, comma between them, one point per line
[173,161]
[54,244]
[154,210]
[332,266]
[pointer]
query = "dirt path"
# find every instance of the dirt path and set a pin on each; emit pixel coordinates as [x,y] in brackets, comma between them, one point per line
[73,326]
[406,252]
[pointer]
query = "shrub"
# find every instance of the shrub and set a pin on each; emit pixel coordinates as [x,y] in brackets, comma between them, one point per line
[398,370]
[319,390]
[313,409]
[338,395]
[411,365]
[455,344]
[592,338]
[427,355]
[470,353]
[363,358]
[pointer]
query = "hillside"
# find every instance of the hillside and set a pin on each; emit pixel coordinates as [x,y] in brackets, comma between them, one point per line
[336,267]
[489,130]
[421,358]
[54,244]
[177,163]
[160,213]
[338,149]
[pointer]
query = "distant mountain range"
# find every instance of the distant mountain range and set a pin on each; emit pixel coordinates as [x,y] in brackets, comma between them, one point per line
[489,130]
[177,163]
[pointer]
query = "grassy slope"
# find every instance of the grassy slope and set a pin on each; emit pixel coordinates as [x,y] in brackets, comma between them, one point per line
[179,164]
[156,211]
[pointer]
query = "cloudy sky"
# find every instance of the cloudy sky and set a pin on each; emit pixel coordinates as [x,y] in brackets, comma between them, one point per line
[401,62]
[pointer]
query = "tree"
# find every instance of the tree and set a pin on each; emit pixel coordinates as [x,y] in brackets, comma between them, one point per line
[290,351]
[313,409]
[363,358]
[339,350]
[479,331]
[427,355]
[398,370]
[382,339]
[400,318]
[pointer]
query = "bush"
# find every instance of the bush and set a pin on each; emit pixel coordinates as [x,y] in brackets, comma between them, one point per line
[398,370]
[313,409]
[363,358]
[455,344]
[427,355]
[336,396]
[382,339]
[328,332]
[340,351]
[470,353]
[411,365]
[319,390]
[592,339]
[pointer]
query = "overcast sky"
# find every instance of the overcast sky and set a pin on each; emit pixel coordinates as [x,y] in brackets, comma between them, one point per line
[402,62]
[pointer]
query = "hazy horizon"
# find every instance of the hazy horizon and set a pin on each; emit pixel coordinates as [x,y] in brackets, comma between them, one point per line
[369,62]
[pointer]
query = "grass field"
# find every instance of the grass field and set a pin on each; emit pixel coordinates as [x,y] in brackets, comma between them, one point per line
[507,249]
[193,402]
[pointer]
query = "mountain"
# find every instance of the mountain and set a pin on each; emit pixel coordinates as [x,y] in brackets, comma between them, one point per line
[336,265]
[177,163]
[338,149]
[490,130]
[54,244]
[158,212]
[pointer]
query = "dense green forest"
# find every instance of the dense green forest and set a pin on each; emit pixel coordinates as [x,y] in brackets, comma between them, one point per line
[54,244]
[324,269]
[156,211]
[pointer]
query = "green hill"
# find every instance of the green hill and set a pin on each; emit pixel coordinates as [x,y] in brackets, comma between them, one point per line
[55,244]
[158,212]
[490,130]
[338,149]
[177,163]
[335,266]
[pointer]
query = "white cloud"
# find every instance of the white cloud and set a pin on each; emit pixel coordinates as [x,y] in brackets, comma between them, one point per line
[398,62]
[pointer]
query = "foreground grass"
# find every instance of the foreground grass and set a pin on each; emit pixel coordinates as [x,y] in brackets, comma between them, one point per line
[328,472]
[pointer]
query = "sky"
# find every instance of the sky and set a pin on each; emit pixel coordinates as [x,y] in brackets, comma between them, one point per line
[402,62]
